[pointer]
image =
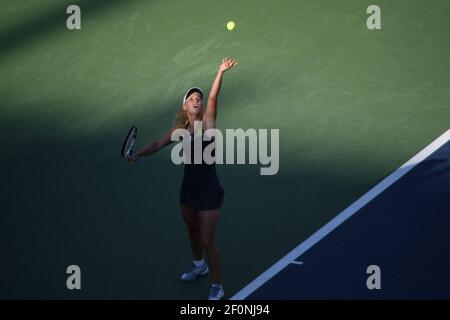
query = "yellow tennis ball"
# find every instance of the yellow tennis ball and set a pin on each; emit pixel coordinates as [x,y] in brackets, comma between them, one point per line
[230,25]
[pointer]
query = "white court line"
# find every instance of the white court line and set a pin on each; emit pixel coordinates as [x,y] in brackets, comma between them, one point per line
[297,262]
[341,217]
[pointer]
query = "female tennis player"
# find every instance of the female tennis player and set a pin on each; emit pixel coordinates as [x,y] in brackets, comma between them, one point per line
[201,194]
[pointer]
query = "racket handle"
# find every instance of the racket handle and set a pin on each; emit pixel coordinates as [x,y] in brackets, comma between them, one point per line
[130,154]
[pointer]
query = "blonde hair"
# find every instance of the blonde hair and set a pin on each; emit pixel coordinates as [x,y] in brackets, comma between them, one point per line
[181,119]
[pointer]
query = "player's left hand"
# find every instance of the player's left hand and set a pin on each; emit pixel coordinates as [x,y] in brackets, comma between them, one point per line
[227,64]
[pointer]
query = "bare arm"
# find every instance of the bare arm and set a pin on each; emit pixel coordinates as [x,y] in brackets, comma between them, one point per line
[153,146]
[211,108]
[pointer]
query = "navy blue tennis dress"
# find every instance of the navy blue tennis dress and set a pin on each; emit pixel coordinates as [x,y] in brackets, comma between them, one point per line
[201,188]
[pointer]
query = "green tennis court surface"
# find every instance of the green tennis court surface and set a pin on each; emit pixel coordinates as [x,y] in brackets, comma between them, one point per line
[351,104]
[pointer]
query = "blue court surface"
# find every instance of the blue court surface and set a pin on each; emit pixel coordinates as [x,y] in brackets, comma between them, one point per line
[402,226]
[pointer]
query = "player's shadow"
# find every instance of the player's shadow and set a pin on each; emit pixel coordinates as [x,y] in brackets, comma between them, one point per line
[41,24]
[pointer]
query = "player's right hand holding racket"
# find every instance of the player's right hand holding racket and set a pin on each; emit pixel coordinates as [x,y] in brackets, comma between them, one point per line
[133,158]
[127,147]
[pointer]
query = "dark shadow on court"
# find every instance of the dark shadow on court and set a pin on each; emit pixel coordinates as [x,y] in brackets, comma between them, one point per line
[73,200]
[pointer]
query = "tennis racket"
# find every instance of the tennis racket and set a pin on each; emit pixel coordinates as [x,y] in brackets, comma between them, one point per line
[127,147]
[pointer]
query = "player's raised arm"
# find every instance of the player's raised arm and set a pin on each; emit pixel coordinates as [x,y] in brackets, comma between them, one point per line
[209,116]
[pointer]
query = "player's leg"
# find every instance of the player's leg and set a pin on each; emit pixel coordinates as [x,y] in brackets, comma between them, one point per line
[191,218]
[208,225]
[199,266]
